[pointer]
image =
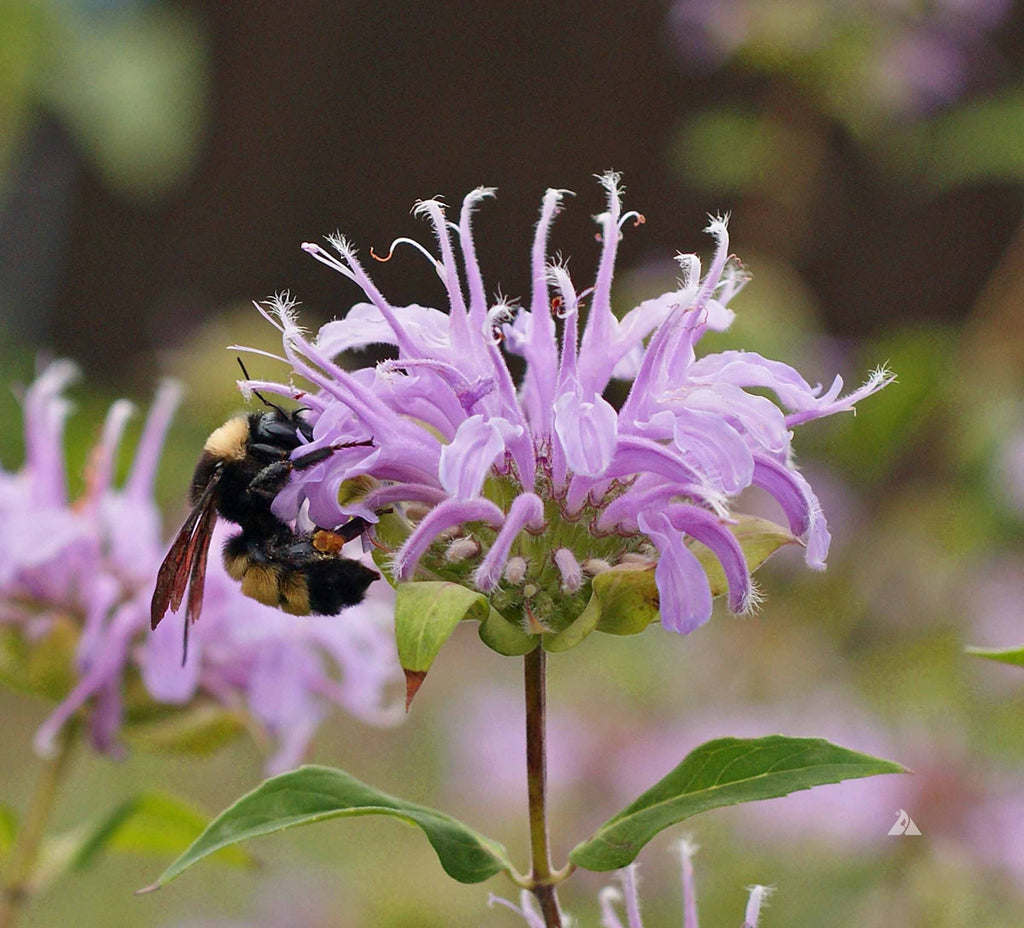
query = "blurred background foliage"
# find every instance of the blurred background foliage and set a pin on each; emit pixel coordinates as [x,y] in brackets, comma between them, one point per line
[160,164]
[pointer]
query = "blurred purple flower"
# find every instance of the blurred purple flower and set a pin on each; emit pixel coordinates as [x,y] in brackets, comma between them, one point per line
[627,896]
[995,828]
[613,762]
[991,601]
[95,559]
[550,479]
[487,741]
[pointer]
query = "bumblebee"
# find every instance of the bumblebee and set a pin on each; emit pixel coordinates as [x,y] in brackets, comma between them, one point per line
[244,464]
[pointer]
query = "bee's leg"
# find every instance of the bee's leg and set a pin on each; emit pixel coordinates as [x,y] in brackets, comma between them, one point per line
[313,457]
[322,454]
[270,480]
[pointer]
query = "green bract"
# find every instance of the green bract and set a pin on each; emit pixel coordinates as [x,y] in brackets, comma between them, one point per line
[617,600]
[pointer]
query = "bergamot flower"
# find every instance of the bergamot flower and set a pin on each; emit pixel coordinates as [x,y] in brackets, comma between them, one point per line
[542,495]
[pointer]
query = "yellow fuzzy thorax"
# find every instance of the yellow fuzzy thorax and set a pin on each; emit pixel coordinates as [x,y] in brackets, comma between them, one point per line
[228,442]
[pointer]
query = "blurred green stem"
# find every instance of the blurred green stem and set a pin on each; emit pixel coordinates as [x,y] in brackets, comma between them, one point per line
[17,885]
[542,880]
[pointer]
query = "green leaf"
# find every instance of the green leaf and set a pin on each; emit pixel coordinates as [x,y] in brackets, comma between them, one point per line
[151,823]
[312,794]
[758,538]
[156,823]
[722,773]
[505,637]
[629,599]
[1002,655]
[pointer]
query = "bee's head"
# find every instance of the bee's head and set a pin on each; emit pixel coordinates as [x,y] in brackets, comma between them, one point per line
[279,427]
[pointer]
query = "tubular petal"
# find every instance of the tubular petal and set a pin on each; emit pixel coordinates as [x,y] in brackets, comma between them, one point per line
[447,515]
[683,587]
[527,510]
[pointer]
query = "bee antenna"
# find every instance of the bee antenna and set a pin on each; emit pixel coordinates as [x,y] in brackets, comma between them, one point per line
[257,393]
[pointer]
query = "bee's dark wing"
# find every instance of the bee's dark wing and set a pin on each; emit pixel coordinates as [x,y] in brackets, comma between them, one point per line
[186,559]
[197,575]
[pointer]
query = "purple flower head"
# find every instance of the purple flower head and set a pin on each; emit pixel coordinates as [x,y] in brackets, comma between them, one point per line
[553,483]
[88,566]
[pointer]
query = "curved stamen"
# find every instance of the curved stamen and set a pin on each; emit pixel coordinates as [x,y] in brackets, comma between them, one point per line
[269,316]
[355,272]
[258,351]
[402,240]
[638,219]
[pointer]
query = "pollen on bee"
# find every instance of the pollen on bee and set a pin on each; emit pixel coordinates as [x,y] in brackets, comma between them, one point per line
[328,542]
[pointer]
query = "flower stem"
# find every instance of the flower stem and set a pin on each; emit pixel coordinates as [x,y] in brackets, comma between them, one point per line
[542,880]
[17,885]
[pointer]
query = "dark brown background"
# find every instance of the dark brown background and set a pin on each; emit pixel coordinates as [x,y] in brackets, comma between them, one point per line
[332,116]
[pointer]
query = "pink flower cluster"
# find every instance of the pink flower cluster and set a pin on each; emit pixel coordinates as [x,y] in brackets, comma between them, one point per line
[93,561]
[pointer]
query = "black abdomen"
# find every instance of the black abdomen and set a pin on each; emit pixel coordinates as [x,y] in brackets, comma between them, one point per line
[288,571]
[337,582]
